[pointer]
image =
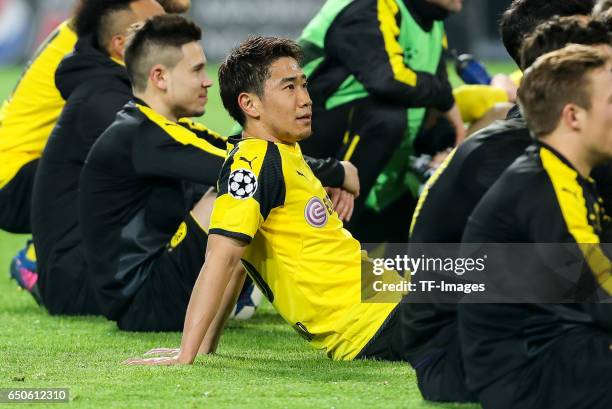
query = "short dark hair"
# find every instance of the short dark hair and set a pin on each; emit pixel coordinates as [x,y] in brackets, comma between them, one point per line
[559,32]
[523,16]
[247,68]
[555,80]
[93,17]
[157,41]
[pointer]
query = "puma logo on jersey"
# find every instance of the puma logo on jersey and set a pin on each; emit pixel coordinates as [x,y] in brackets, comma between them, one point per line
[249,162]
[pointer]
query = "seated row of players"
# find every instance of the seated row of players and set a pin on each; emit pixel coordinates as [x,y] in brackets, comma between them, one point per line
[261,199]
[310,268]
[128,279]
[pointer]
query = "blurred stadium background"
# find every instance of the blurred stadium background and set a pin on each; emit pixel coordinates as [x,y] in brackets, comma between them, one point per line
[24,23]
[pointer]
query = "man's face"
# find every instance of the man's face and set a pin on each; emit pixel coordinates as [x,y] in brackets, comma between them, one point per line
[597,126]
[286,107]
[188,82]
[454,6]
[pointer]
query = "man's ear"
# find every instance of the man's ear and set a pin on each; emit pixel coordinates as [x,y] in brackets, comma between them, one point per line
[250,104]
[117,46]
[158,76]
[573,116]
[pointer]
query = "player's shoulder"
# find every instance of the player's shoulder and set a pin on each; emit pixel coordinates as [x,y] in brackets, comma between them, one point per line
[252,153]
[525,177]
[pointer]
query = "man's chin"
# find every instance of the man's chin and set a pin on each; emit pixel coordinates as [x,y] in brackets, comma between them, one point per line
[304,135]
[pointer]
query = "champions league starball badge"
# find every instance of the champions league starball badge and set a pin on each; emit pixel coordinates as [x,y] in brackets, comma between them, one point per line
[242,184]
[315,213]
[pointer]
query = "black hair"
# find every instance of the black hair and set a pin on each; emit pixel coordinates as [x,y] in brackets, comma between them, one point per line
[247,68]
[523,16]
[159,32]
[560,31]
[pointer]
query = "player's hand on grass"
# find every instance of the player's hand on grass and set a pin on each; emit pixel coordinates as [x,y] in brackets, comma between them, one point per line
[351,178]
[343,201]
[162,352]
[159,356]
[164,360]
[454,117]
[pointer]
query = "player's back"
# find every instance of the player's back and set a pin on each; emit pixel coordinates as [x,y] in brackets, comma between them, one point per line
[30,113]
[458,185]
[132,197]
[530,203]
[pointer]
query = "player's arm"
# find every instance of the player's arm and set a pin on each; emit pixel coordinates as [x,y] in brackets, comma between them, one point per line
[205,133]
[230,297]
[212,286]
[329,171]
[334,173]
[366,41]
[179,154]
[566,222]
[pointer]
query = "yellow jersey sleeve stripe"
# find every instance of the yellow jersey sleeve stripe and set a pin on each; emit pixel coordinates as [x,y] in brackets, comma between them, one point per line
[430,182]
[200,127]
[352,147]
[574,210]
[179,133]
[387,10]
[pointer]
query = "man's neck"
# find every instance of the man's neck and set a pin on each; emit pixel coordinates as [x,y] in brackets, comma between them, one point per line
[258,131]
[570,148]
[157,104]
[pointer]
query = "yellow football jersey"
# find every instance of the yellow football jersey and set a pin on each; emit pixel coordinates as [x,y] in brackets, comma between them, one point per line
[29,115]
[299,255]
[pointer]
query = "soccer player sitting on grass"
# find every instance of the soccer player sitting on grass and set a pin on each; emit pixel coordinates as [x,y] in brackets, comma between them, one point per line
[272,214]
[136,178]
[549,355]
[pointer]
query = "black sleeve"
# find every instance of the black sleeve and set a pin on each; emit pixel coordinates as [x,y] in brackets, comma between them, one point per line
[176,153]
[565,221]
[329,171]
[201,131]
[377,60]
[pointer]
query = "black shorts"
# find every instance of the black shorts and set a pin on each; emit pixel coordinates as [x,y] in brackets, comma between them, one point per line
[16,198]
[440,376]
[161,302]
[573,372]
[64,286]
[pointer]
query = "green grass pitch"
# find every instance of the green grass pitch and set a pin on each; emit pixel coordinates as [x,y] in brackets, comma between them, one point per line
[260,362]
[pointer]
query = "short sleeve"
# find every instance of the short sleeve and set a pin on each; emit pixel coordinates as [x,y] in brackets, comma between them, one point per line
[251,185]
